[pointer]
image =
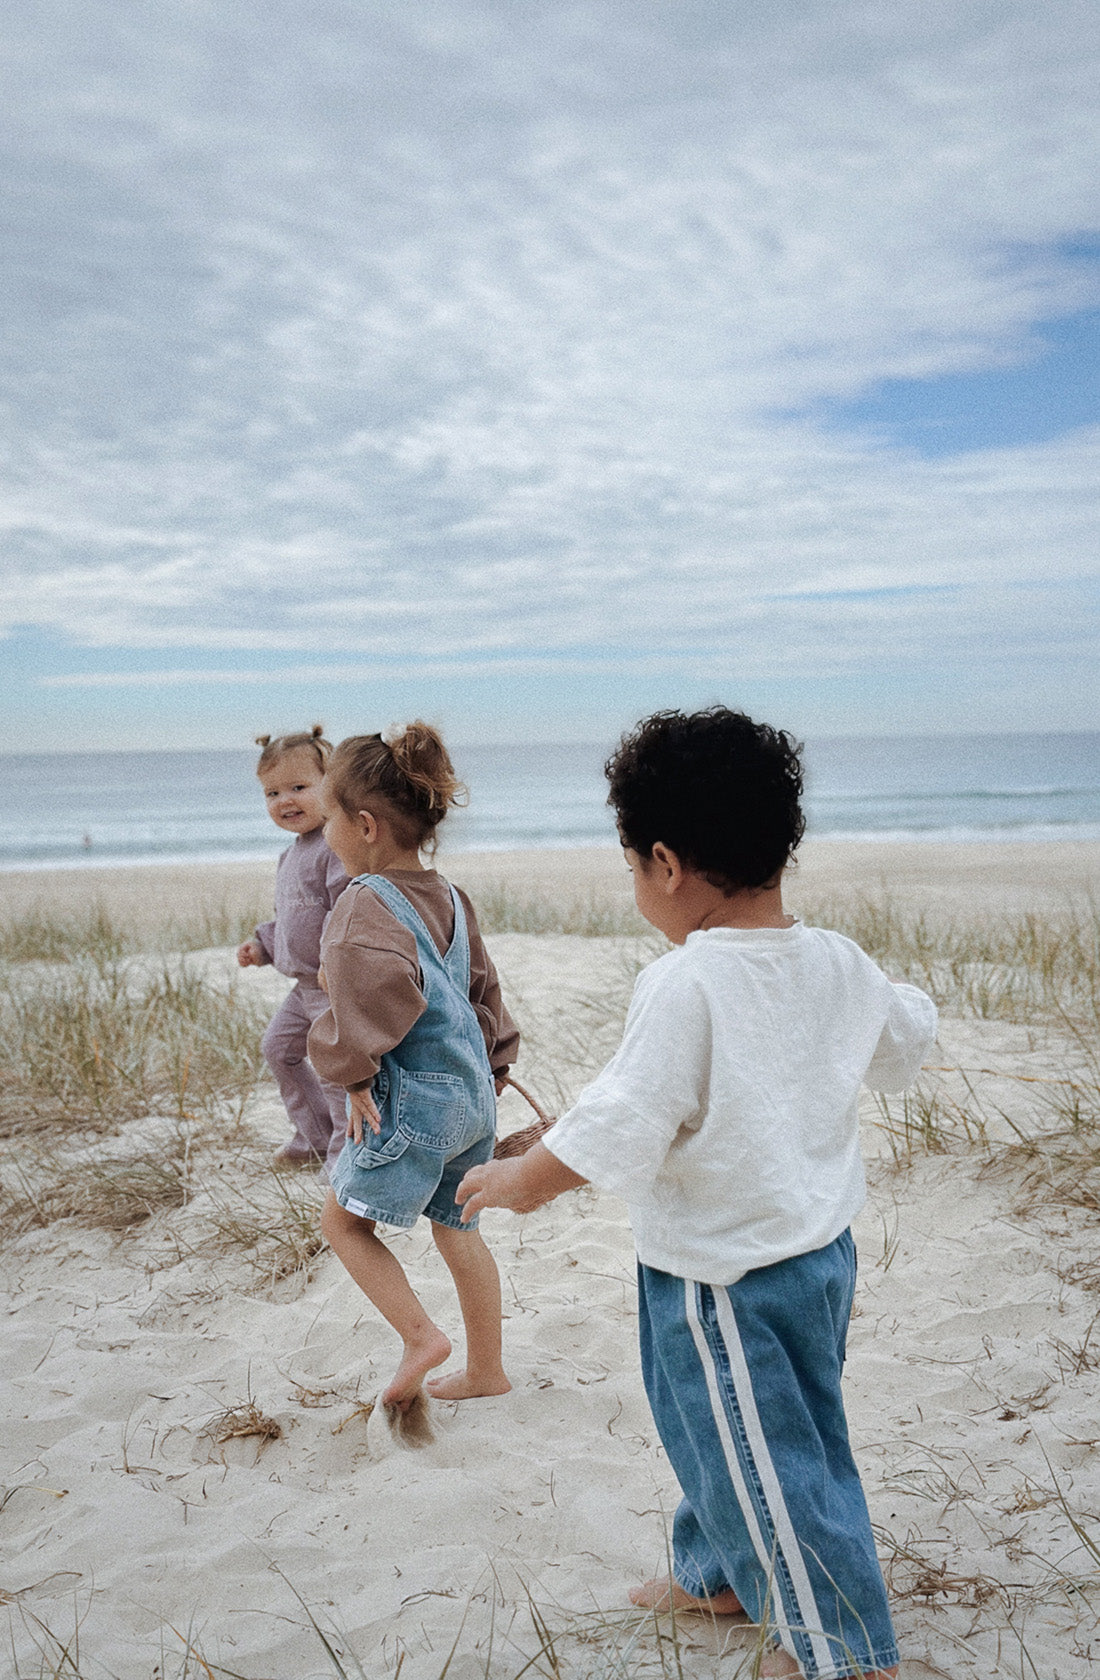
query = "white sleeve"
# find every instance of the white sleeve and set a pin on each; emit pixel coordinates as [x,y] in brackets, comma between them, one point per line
[905,1040]
[622,1125]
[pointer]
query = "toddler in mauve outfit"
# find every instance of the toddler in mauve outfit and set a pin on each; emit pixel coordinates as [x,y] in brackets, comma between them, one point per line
[308,881]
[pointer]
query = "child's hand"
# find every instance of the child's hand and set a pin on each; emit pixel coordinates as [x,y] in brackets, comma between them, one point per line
[522,1184]
[250,954]
[496,1184]
[362,1112]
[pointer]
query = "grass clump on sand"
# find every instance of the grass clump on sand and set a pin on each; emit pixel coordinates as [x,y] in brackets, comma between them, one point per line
[92,1044]
[592,915]
[41,933]
[273,1219]
[109,1193]
[1012,968]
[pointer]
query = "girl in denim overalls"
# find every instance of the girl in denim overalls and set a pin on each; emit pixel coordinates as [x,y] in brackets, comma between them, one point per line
[417,1034]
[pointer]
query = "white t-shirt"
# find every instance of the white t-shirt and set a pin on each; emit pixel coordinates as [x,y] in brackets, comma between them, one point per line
[727,1117]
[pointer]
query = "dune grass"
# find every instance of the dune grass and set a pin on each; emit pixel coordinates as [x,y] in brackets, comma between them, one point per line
[501,908]
[41,933]
[92,1043]
[1014,968]
[89,1039]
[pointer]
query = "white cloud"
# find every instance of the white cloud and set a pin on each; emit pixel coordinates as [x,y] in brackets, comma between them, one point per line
[461,327]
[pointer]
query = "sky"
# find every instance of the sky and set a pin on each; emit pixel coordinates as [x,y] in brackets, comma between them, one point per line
[529,367]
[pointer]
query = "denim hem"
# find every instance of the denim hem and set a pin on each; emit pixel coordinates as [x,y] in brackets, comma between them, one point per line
[397,1220]
[453,1221]
[696,1586]
[889,1659]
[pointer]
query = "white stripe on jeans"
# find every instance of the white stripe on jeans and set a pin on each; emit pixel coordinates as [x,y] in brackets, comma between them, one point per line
[776,1506]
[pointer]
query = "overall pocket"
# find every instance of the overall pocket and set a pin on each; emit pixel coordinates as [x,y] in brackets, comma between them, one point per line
[379,1151]
[431,1109]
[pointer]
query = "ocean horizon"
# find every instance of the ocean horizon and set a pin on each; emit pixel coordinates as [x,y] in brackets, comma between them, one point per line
[102,810]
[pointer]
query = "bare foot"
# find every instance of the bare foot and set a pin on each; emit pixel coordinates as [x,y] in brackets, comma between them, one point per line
[413,1426]
[468,1385]
[419,1358]
[661,1594]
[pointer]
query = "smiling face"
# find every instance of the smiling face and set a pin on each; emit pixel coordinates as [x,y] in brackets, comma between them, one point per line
[292,791]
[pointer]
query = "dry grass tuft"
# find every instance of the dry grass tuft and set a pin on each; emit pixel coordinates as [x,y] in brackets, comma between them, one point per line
[1017,968]
[592,915]
[41,933]
[273,1219]
[95,1044]
[363,1412]
[245,1422]
[113,1194]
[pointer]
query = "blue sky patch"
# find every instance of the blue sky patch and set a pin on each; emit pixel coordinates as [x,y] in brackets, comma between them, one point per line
[1054,390]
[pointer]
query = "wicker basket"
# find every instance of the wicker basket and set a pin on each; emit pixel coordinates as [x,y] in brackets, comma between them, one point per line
[518,1143]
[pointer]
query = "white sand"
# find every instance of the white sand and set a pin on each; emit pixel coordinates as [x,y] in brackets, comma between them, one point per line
[971,1384]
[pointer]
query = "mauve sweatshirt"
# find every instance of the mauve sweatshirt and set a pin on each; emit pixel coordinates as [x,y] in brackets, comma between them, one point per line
[308,881]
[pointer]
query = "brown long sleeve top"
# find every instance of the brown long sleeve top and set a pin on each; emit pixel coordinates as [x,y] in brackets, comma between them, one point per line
[373,977]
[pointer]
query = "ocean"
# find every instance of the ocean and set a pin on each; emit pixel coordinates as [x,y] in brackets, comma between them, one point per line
[102,809]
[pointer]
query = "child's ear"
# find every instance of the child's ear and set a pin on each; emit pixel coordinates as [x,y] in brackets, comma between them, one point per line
[671,870]
[368,826]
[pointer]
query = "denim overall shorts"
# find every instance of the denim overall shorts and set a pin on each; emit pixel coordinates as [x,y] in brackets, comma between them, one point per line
[434,1092]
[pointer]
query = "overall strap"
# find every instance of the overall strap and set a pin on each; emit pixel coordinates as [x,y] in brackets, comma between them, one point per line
[457,960]
[409,916]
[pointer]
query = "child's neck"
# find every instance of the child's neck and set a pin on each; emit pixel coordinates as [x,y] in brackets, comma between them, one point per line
[760,907]
[394,860]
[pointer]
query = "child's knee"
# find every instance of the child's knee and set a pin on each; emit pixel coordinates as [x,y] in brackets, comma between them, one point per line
[280,1048]
[449,1240]
[337,1222]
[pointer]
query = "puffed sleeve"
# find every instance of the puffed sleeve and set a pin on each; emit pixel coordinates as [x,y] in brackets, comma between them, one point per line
[905,1040]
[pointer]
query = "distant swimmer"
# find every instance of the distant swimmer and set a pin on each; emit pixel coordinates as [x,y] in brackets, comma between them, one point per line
[87,842]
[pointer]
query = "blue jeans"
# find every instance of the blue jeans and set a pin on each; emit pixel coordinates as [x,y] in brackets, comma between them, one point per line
[744,1384]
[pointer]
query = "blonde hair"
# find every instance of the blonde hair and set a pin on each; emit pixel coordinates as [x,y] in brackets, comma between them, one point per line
[275,747]
[410,774]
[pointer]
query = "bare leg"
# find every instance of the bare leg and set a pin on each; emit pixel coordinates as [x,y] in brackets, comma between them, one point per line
[478,1284]
[380,1276]
[663,1594]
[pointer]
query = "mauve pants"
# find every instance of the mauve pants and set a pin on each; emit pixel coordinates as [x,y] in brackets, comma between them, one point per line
[317,1110]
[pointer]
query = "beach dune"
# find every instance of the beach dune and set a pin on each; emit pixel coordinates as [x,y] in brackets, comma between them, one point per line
[193,1472]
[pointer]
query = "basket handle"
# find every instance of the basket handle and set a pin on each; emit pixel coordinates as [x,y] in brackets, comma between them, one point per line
[539,1110]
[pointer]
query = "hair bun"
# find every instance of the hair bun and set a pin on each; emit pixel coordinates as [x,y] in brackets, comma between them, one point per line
[317,730]
[419,754]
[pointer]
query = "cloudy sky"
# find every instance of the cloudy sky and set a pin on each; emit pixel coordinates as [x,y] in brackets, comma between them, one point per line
[528,365]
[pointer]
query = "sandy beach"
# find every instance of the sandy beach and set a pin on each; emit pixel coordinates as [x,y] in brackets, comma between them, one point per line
[194,1482]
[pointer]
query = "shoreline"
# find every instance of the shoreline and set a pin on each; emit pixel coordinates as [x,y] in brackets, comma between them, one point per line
[993,877]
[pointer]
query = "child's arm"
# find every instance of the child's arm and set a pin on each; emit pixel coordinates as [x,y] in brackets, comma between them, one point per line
[521,1184]
[623,1123]
[906,1038]
[371,977]
[262,944]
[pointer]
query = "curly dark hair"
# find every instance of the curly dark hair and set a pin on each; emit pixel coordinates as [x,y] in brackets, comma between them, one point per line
[719,790]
